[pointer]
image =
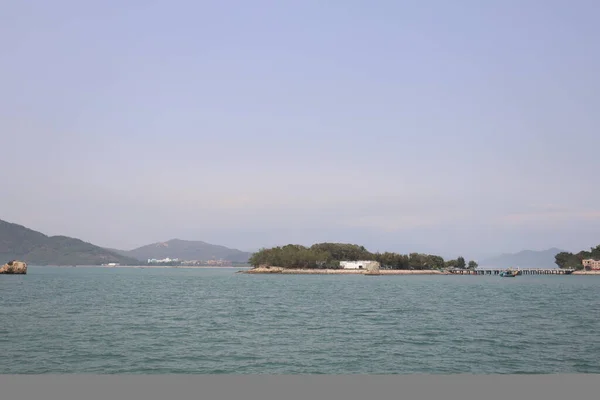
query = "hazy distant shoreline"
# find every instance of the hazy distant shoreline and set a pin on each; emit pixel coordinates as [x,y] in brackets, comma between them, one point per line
[289,271]
[292,271]
[141,266]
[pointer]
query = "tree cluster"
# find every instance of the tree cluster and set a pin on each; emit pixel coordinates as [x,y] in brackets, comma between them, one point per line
[574,261]
[329,255]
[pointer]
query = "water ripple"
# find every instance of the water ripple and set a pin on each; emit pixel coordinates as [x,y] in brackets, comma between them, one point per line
[99,320]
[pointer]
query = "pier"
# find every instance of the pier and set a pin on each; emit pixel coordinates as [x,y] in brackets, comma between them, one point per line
[522,271]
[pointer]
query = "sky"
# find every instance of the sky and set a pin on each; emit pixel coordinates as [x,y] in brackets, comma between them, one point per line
[457,128]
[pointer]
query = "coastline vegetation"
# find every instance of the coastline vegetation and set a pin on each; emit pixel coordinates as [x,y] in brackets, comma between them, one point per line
[329,255]
[569,260]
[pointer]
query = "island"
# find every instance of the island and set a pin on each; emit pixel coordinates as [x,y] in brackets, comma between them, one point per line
[584,262]
[344,258]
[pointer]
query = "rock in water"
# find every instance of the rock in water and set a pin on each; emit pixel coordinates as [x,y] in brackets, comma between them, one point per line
[372,268]
[14,267]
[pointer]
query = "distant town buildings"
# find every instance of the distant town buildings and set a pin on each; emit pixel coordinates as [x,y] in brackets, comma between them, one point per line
[163,261]
[591,264]
[211,263]
[177,261]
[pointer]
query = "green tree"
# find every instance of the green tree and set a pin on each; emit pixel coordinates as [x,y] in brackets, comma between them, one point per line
[472,264]
[569,260]
[435,262]
[344,251]
[460,263]
[416,261]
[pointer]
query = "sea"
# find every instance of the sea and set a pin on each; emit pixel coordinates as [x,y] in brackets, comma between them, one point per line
[58,320]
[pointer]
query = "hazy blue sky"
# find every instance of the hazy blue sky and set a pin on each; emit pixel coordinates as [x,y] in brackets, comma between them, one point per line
[456,127]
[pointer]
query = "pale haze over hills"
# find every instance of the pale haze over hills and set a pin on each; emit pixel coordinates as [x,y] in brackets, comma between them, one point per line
[186,250]
[523,259]
[452,128]
[22,243]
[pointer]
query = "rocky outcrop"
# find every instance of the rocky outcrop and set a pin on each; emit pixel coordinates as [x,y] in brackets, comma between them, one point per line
[265,269]
[373,268]
[14,267]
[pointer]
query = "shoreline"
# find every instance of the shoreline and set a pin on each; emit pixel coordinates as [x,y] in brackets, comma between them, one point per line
[290,271]
[137,266]
[285,271]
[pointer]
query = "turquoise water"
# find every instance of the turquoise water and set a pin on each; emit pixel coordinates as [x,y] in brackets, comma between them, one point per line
[126,320]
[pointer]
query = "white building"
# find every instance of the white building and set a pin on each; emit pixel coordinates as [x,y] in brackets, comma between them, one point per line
[164,260]
[357,264]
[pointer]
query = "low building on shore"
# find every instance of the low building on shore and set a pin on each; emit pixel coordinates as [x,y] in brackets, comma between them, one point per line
[359,264]
[591,264]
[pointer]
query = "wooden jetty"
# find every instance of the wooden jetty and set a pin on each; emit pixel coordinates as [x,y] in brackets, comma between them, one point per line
[522,271]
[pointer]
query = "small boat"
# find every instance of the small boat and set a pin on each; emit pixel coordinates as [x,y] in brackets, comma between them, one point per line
[509,273]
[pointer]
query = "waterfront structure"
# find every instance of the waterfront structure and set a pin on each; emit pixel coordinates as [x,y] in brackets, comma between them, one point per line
[591,264]
[521,271]
[358,264]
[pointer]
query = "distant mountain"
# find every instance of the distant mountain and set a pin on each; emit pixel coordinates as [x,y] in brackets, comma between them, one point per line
[524,259]
[186,250]
[20,243]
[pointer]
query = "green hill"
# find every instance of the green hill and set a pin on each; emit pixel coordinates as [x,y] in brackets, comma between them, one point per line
[20,243]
